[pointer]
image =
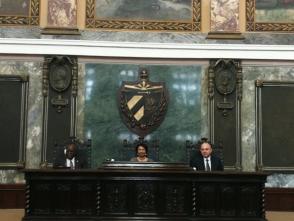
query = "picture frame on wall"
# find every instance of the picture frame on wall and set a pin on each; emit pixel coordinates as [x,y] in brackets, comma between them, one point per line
[13,107]
[145,15]
[274,109]
[270,15]
[19,12]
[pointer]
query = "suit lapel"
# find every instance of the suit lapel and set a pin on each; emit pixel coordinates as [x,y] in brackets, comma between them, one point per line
[201,164]
[213,166]
[77,163]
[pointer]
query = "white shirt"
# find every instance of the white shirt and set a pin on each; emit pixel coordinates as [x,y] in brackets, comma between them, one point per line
[209,162]
[68,162]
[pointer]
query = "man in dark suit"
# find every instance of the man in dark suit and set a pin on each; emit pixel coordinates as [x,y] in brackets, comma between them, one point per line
[69,158]
[205,160]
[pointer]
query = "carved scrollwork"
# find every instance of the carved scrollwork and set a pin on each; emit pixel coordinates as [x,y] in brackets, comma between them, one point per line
[116,201]
[145,197]
[250,10]
[239,82]
[59,102]
[225,75]
[259,83]
[210,82]
[175,201]
[74,90]
[20,164]
[60,73]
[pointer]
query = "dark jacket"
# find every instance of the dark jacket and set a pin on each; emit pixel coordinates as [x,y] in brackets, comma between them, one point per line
[60,162]
[198,162]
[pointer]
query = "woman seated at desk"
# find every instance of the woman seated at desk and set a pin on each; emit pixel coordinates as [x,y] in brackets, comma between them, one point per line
[142,153]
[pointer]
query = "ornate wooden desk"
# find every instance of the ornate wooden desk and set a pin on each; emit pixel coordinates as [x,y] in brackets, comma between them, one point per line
[150,191]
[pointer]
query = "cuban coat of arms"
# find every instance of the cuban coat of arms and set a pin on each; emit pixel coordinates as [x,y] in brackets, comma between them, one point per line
[143,104]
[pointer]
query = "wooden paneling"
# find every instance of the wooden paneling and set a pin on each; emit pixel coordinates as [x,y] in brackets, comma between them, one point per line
[276,199]
[59,91]
[225,95]
[279,199]
[136,193]
[12,196]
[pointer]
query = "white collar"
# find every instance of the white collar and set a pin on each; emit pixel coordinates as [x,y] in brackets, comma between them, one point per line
[208,158]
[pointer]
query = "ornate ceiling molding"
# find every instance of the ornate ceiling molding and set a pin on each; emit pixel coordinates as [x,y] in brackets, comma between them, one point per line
[145,50]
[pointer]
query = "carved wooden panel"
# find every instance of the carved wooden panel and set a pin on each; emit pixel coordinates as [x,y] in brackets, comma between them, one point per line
[225,95]
[176,198]
[206,200]
[249,206]
[228,200]
[115,201]
[85,199]
[60,78]
[63,193]
[37,205]
[145,199]
[144,194]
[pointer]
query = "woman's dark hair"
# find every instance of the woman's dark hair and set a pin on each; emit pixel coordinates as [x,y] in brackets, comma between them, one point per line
[141,145]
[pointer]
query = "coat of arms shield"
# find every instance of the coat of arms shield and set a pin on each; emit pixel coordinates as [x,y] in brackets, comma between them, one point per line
[143,104]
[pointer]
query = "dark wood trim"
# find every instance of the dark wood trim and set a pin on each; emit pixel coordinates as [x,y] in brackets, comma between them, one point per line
[279,199]
[276,199]
[12,196]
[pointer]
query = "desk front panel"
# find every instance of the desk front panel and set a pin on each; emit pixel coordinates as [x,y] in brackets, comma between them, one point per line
[143,195]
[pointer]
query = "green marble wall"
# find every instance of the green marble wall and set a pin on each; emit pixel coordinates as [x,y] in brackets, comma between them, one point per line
[103,124]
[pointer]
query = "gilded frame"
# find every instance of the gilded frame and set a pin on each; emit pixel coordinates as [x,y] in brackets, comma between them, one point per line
[252,25]
[16,20]
[144,25]
[260,166]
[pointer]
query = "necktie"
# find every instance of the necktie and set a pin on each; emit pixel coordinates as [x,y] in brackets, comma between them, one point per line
[207,167]
[71,165]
